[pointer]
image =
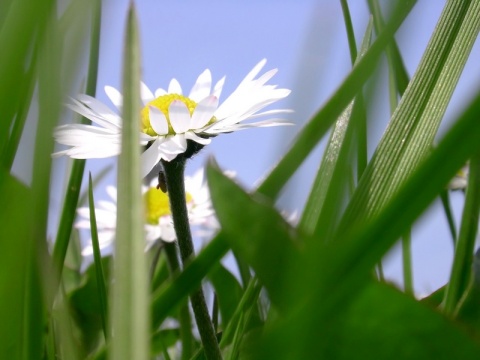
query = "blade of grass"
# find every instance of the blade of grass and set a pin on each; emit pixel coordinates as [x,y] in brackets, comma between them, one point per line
[76,175]
[324,182]
[341,269]
[310,135]
[23,26]
[395,61]
[365,243]
[129,316]
[28,84]
[413,126]
[464,249]
[97,257]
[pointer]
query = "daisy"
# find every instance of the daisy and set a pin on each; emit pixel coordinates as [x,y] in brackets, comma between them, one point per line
[170,122]
[460,180]
[158,219]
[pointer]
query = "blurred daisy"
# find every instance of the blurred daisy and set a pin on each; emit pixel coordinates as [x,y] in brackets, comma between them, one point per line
[460,180]
[158,219]
[170,119]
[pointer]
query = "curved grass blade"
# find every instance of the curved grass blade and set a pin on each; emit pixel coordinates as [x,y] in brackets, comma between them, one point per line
[76,175]
[311,134]
[129,315]
[413,126]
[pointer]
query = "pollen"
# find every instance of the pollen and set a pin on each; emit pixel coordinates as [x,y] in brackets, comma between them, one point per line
[163,103]
[157,205]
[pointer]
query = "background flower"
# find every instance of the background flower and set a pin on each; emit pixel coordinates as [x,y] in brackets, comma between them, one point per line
[158,220]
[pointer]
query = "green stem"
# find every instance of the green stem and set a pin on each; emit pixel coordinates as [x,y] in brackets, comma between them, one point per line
[407,263]
[464,249]
[174,176]
[183,314]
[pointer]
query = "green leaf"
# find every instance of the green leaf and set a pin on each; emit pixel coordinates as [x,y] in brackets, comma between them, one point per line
[258,233]
[163,339]
[21,304]
[381,323]
[130,295]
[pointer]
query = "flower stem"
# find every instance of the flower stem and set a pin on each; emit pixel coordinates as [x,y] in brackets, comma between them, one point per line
[174,176]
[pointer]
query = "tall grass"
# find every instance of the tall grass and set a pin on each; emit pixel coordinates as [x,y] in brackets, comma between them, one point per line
[307,290]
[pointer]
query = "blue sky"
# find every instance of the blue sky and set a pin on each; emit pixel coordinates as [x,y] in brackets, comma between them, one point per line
[306,41]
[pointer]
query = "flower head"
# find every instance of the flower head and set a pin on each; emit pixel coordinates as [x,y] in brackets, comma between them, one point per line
[170,122]
[158,219]
[460,180]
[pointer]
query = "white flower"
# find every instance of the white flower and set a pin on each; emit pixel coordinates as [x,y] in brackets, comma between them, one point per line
[169,118]
[460,180]
[158,219]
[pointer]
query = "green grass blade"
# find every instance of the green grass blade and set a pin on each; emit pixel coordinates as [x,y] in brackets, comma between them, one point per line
[97,257]
[464,249]
[22,27]
[28,82]
[341,270]
[129,314]
[413,126]
[76,175]
[324,183]
[364,244]
[21,328]
[395,61]
[347,19]
[311,134]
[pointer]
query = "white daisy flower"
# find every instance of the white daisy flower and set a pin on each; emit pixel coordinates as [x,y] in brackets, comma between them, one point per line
[460,180]
[169,119]
[158,219]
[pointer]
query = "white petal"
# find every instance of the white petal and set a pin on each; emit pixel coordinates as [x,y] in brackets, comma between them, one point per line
[234,127]
[192,136]
[145,93]
[115,96]
[204,112]
[256,69]
[160,92]
[202,86]
[217,90]
[179,116]
[174,87]
[108,119]
[150,158]
[173,145]
[158,121]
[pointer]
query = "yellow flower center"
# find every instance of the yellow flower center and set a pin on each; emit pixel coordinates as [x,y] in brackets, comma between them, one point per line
[157,205]
[163,103]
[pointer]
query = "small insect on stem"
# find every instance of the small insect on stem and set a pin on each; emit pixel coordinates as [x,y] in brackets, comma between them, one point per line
[162,183]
